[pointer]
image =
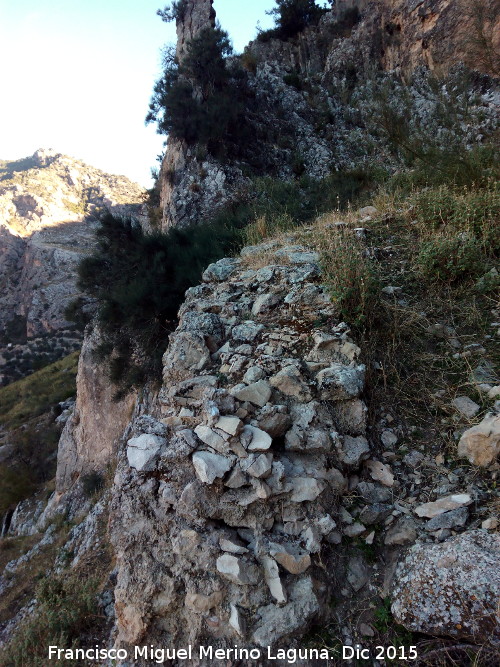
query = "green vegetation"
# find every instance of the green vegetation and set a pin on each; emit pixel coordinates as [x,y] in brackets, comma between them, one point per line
[38,393]
[173,12]
[200,99]
[352,278]
[291,18]
[460,239]
[34,441]
[92,483]
[139,281]
[66,610]
[33,464]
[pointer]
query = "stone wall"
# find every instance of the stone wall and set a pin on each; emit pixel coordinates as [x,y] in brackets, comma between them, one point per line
[221,507]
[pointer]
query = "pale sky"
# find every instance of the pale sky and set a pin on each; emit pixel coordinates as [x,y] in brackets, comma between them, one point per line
[77,76]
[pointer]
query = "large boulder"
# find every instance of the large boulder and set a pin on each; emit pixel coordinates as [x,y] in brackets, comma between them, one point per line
[451,588]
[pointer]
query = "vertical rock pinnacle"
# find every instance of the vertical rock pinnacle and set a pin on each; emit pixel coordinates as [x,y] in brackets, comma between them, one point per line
[196,15]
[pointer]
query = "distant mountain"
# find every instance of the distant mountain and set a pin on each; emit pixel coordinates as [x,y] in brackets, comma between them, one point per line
[49,206]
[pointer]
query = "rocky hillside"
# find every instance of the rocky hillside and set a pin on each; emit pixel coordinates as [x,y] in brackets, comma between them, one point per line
[319,102]
[49,204]
[315,473]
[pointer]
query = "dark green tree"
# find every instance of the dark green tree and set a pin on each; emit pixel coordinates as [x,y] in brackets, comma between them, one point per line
[292,16]
[173,12]
[201,99]
[138,281]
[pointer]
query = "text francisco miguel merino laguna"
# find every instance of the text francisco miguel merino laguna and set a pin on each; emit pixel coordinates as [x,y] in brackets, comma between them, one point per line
[160,655]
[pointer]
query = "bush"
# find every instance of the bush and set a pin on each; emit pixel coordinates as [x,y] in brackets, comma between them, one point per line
[66,609]
[139,281]
[173,12]
[350,276]
[472,210]
[34,464]
[92,483]
[450,259]
[463,229]
[429,126]
[292,17]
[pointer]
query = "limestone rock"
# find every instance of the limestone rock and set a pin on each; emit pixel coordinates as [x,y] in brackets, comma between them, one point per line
[257,393]
[211,438]
[278,622]
[466,406]
[351,416]
[236,620]
[210,466]
[236,479]
[253,374]
[247,332]
[353,450]
[272,577]
[357,573]
[402,532]
[452,519]
[451,588]
[221,270]
[445,504]
[232,545]
[143,452]
[380,472]
[289,557]
[354,530]
[230,425]
[305,488]
[290,382]
[237,570]
[187,352]
[264,302]
[481,444]
[260,442]
[275,420]
[258,465]
[388,438]
[340,382]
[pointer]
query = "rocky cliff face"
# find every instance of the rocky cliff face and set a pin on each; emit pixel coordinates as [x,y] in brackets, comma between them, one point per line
[48,208]
[90,438]
[298,91]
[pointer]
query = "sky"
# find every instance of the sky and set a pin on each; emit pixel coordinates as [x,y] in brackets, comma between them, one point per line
[77,76]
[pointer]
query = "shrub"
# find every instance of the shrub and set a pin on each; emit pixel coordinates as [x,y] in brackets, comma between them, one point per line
[429,126]
[292,17]
[294,80]
[450,259]
[92,483]
[66,609]
[349,275]
[472,210]
[139,281]
[173,12]
[34,464]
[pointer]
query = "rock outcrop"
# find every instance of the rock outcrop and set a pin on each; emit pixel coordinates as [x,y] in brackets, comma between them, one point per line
[300,107]
[89,441]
